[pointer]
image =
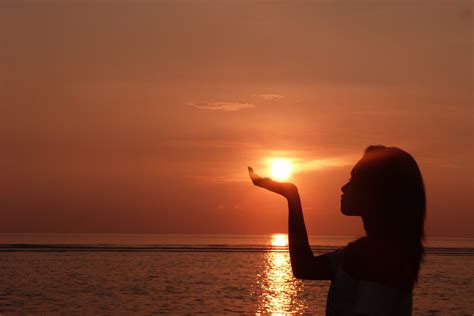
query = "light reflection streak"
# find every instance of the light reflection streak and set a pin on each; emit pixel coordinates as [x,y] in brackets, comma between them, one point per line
[280,292]
[279,240]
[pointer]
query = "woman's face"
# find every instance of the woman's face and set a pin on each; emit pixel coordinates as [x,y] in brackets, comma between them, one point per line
[354,200]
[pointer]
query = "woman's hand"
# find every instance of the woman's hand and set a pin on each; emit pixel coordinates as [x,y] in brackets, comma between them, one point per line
[285,189]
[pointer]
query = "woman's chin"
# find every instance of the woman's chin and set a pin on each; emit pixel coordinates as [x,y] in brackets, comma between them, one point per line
[348,212]
[343,210]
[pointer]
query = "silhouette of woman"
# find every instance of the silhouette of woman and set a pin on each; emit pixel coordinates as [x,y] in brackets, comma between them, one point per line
[375,274]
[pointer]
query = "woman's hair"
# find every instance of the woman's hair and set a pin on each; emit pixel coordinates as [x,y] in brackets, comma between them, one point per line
[393,186]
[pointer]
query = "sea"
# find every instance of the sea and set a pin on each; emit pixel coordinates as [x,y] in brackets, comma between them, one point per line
[189,274]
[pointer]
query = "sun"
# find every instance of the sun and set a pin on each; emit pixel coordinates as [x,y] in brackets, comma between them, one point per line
[281,169]
[279,240]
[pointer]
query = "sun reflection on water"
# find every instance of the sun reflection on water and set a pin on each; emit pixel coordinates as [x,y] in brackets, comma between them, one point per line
[279,240]
[280,291]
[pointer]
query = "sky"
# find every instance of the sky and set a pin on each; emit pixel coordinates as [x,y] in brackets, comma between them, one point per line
[142,116]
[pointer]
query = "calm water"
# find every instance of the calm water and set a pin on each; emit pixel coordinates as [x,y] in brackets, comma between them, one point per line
[197,273]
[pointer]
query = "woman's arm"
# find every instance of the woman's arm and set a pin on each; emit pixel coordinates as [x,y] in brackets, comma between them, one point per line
[303,263]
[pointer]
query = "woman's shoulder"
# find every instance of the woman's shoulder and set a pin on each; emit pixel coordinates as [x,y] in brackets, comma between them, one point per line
[379,262]
[348,296]
[362,293]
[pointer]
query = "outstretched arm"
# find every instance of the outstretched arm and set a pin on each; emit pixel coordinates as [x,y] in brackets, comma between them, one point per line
[303,263]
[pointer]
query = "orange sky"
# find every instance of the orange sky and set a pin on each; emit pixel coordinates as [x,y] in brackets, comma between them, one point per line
[143,116]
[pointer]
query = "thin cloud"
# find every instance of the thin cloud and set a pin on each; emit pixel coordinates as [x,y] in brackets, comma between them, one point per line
[272,97]
[304,161]
[275,98]
[324,163]
[222,106]
[229,179]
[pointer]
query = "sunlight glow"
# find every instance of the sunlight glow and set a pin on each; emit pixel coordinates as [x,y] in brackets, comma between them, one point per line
[281,169]
[279,292]
[279,240]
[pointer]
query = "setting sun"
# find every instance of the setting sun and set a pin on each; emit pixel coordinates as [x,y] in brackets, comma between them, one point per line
[281,169]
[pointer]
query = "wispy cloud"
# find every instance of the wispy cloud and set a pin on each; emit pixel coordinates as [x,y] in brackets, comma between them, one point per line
[228,179]
[307,161]
[222,106]
[324,163]
[237,106]
[275,98]
[270,96]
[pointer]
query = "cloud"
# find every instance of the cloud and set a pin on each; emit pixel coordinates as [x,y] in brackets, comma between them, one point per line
[324,163]
[270,96]
[237,106]
[228,179]
[222,106]
[306,160]
[275,98]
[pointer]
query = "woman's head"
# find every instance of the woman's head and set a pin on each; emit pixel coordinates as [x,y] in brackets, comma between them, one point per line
[386,189]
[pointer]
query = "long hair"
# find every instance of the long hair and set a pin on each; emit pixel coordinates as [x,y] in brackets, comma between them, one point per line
[394,186]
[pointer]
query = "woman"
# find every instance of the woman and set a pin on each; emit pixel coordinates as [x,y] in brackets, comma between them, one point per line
[375,274]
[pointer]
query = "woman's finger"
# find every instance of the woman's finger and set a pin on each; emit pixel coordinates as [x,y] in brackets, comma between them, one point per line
[253,175]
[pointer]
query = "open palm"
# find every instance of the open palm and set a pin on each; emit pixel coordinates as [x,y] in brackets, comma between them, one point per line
[283,188]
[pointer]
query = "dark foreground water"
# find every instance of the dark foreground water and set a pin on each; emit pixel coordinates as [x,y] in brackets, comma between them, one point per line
[97,274]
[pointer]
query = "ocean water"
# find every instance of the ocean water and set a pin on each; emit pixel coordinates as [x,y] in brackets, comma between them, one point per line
[110,274]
